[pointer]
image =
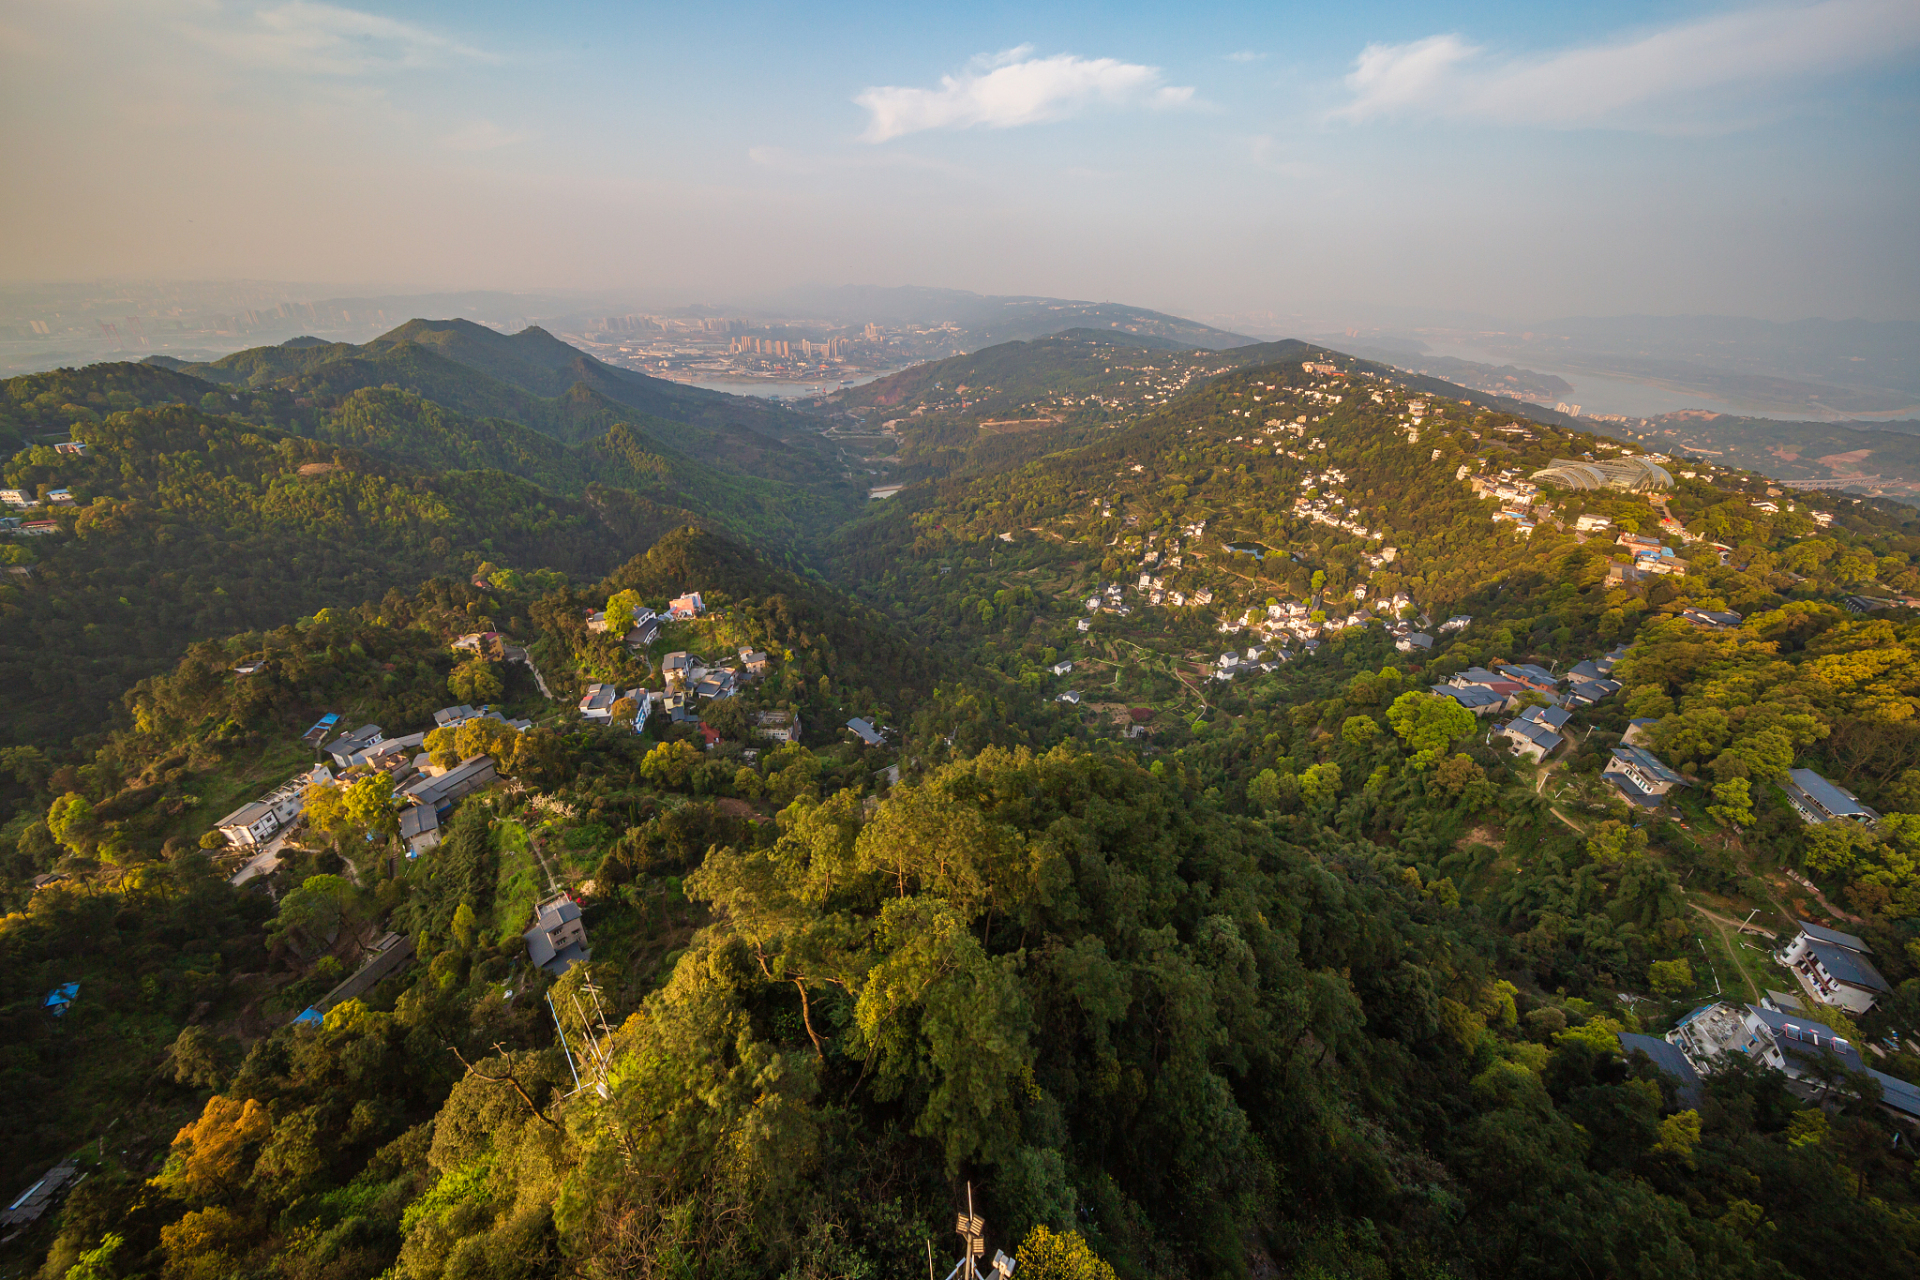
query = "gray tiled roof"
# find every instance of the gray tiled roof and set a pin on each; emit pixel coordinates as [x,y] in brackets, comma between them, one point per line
[1821,933]
[1668,1058]
[1848,966]
[1829,797]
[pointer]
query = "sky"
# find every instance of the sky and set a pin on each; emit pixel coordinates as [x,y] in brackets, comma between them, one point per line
[1518,160]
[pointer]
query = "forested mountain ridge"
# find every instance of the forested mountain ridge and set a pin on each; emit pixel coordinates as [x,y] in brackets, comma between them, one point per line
[537,380]
[184,526]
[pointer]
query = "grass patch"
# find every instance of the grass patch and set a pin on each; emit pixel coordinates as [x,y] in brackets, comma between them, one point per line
[520,883]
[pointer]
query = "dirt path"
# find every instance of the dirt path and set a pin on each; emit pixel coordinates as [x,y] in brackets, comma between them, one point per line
[1720,924]
[1821,898]
[1729,921]
[1539,788]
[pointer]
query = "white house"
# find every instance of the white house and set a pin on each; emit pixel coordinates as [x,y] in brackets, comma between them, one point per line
[1535,732]
[1640,776]
[1833,968]
[1804,1051]
[255,823]
[355,747]
[1817,801]
[597,702]
[1062,667]
[780,726]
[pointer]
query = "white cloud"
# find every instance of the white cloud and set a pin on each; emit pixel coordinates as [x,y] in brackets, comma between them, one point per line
[1014,88]
[1674,78]
[326,39]
[1245,55]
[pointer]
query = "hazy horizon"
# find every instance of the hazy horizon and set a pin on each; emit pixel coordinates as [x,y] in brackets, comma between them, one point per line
[1515,161]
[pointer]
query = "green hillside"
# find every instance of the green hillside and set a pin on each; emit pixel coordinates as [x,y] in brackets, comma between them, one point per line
[424,434]
[536,380]
[186,526]
[1075,834]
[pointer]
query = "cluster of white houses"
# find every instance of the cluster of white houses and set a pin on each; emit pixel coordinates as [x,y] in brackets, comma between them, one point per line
[427,790]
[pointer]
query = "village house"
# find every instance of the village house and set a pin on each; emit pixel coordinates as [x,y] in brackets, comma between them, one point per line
[1412,641]
[557,939]
[1816,800]
[680,608]
[1640,777]
[718,683]
[420,828]
[680,669]
[864,730]
[1584,692]
[255,823]
[1804,1051]
[1833,968]
[597,702]
[1713,618]
[1478,699]
[454,717]
[779,726]
[439,792]
[490,645]
[1536,678]
[1535,732]
[1062,667]
[756,662]
[354,748]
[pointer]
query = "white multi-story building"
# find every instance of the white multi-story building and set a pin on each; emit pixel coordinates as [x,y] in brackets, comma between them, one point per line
[1832,968]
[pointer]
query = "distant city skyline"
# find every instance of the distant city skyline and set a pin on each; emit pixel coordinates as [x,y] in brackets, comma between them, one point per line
[1513,160]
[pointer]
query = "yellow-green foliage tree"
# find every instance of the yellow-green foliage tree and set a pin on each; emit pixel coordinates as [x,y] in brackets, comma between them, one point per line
[1064,1255]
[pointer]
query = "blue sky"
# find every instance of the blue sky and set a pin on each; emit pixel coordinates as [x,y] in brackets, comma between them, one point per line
[1519,160]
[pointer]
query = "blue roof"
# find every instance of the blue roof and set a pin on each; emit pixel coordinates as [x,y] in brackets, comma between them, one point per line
[1897,1093]
[1470,697]
[1805,1039]
[1835,800]
[1668,1058]
[63,995]
[1647,763]
[309,1017]
[1552,717]
[1820,933]
[1848,966]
